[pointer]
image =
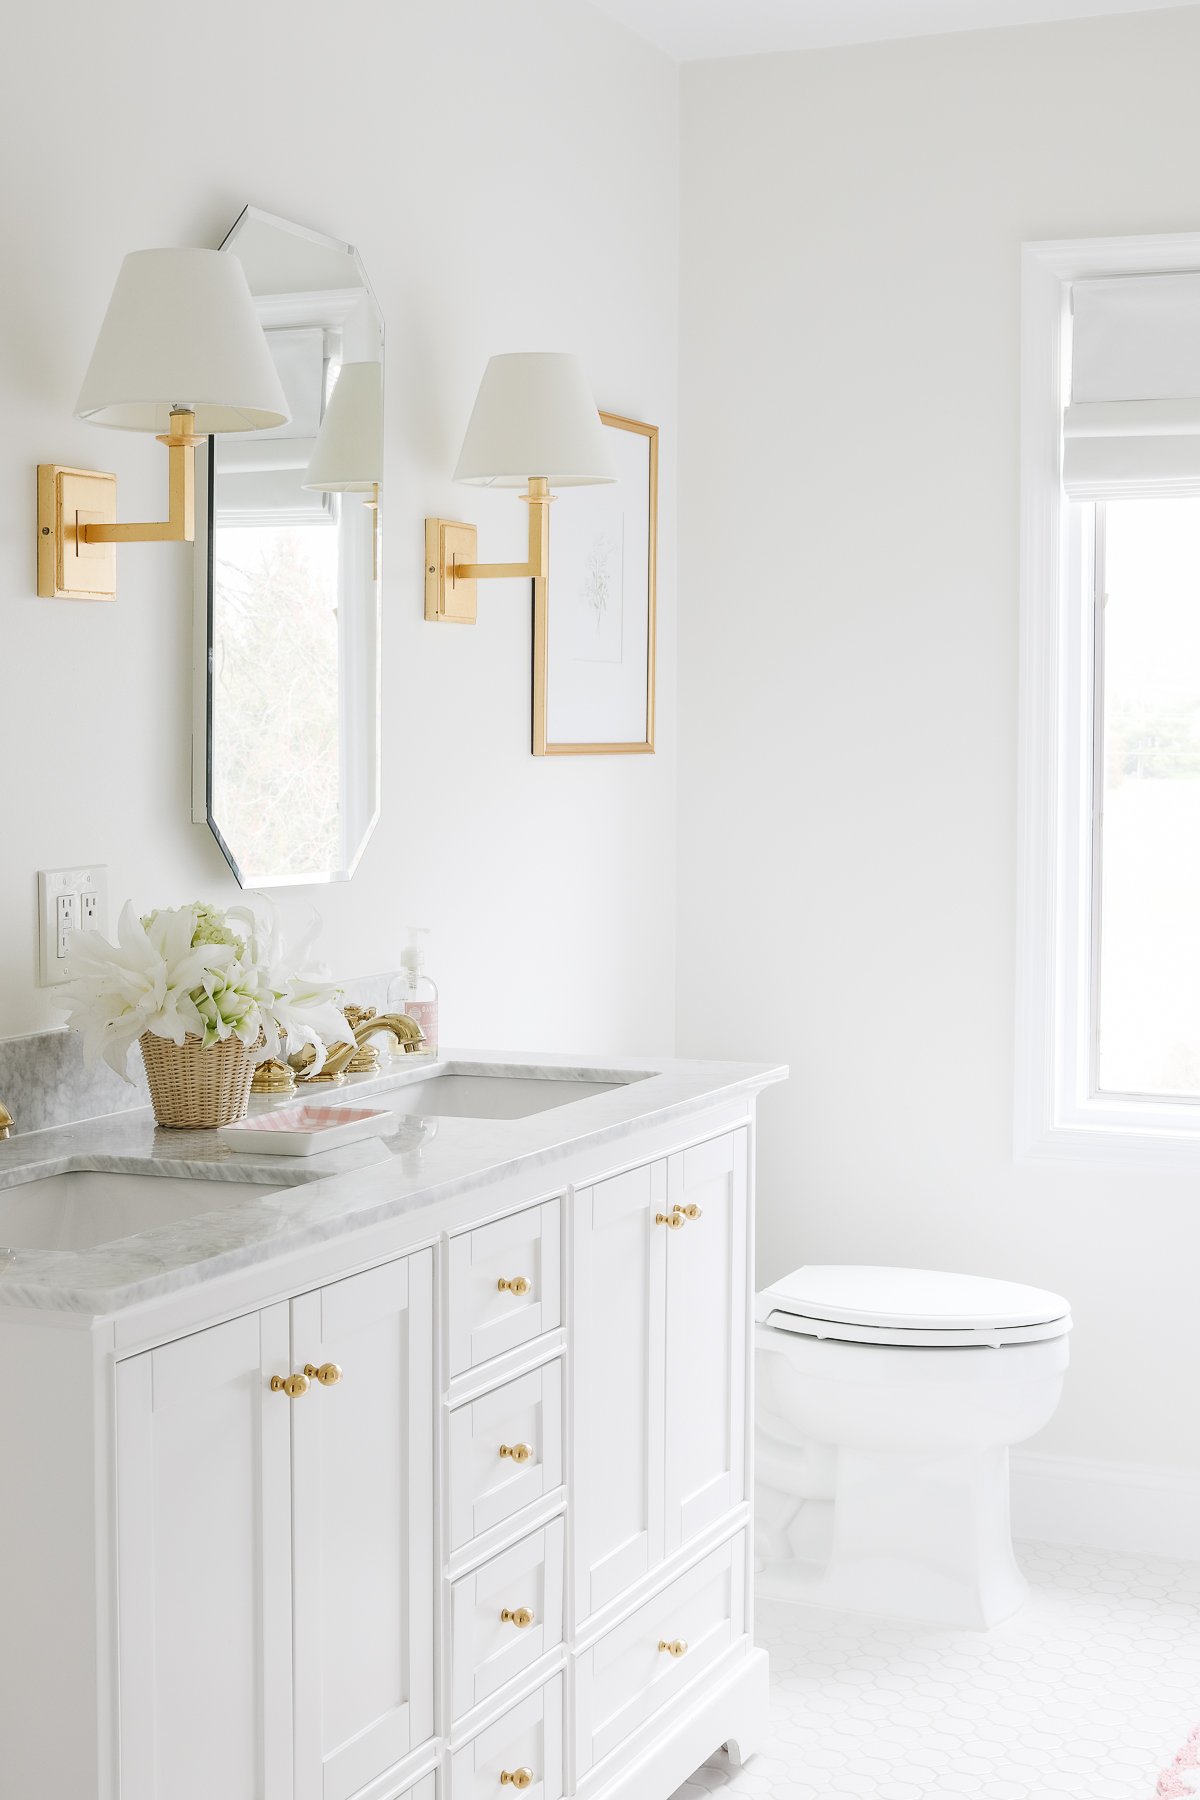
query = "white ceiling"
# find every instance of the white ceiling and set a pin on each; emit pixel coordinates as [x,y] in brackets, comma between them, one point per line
[692,29]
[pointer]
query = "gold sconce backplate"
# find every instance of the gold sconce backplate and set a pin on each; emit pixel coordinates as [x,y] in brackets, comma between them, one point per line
[68,568]
[448,542]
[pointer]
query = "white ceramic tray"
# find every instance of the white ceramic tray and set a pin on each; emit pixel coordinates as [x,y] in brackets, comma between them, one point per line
[305,1128]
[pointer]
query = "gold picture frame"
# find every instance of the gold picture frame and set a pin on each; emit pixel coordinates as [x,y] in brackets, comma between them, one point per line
[572,527]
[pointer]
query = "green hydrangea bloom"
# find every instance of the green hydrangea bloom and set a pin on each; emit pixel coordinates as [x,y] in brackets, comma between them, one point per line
[226,1007]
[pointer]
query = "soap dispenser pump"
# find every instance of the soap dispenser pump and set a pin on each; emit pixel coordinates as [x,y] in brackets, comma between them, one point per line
[412,992]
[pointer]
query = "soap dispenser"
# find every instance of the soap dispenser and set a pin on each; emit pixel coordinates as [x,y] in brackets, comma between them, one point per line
[413,993]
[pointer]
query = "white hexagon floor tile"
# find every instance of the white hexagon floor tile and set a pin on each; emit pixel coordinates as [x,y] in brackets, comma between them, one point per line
[1088,1692]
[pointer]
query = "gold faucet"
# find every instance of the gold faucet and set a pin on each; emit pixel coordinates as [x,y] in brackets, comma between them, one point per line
[406,1031]
[6,1122]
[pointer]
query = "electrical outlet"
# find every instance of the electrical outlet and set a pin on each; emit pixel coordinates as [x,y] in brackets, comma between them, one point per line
[68,898]
[68,918]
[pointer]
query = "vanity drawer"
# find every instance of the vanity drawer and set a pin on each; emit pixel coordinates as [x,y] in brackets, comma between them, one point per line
[529,1736]
[625,1678]
[487,1649]
[505,1284]
[505,1452]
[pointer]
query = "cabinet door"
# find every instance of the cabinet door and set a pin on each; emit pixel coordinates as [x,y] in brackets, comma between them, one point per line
[363,1526]
[620,1263]
[706,1338]
[204,1566]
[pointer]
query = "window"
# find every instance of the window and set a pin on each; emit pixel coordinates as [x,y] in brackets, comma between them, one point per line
[1146,805]
[1108,963]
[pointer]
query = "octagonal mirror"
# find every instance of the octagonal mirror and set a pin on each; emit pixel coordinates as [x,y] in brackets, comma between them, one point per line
[286,763]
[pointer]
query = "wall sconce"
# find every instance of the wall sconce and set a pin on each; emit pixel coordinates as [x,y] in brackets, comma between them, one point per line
[534,412]
[348,455]
[180,353]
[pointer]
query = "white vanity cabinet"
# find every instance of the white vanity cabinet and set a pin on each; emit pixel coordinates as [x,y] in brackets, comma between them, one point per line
[620,1306]
[661,1295]
[363,1455]
[452,1502]
[708,1310]
[203,1469]
[274,1575]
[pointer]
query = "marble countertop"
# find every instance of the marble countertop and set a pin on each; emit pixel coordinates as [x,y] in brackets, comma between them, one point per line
[428,1159]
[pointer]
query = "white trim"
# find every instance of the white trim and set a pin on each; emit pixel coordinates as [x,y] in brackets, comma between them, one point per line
[1107,1506]
[1056,1116]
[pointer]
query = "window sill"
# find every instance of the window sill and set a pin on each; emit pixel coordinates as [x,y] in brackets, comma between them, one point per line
[1118,1135]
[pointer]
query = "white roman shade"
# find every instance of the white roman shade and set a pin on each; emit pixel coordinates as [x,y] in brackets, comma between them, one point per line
[260,474]
[1132,429]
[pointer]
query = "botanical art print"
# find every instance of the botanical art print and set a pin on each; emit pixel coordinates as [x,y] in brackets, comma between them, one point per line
[594,615]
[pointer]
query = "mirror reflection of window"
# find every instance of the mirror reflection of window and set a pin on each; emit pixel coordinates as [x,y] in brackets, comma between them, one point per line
[293,668]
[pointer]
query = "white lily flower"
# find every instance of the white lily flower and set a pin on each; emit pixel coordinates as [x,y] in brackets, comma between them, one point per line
[142,983]
[183,971]
[299,1000]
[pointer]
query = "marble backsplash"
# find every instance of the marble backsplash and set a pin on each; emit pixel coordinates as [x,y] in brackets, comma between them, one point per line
[44,1081]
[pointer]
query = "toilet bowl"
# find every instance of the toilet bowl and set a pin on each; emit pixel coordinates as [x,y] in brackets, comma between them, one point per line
[887,1402]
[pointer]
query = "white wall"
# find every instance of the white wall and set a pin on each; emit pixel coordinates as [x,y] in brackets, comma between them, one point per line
[851,230]
[552,182]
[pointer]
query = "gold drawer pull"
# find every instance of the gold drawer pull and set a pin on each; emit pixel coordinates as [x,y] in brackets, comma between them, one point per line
[519,1616]
[518,1778]
[518,1285]
[520,1453]
[291,1385]
[678,1216]
[676,1647]
[329,1374]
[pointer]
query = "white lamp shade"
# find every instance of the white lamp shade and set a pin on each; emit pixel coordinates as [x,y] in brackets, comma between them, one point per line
[348,457]
[534,416]
[181,331]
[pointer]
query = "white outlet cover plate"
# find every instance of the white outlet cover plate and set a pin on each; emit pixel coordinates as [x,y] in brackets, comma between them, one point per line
[90,880]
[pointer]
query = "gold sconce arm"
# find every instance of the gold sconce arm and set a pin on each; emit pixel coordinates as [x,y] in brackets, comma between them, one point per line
[77,519]
[450,567]
[179,527]
[538,499]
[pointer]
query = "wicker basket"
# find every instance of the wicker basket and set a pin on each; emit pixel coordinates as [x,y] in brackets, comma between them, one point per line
[191,1087]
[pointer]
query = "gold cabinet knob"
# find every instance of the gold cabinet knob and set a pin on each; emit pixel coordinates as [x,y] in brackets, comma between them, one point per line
[673,1647]
[329,1374]
[519,1284]
[518,1778]
[291,1385]
[674,1219]
[520,1453]
[690,1212]
[520,1616]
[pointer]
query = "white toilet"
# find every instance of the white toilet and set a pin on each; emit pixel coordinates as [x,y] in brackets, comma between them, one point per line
[887,1400]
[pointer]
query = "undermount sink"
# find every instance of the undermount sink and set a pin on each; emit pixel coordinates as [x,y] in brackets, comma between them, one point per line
[86,1207]
[450,1096]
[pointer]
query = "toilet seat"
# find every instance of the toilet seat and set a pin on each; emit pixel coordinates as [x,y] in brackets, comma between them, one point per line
[922,1308]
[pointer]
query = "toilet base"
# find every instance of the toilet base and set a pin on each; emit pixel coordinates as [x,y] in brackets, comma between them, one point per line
[924,1537]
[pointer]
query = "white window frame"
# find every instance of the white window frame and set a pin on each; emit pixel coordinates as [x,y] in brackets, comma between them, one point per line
[1057,1115]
